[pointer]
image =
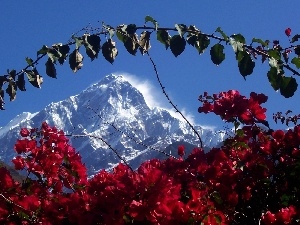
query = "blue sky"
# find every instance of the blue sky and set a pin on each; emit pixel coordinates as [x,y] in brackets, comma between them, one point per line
[25,27]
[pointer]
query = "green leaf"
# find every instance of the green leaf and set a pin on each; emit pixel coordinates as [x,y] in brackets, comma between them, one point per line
[239,132]
[50,68]
[75,60]
[239,38]
[274,53]
[34,78]
[109,50]
[236,45]
[78,41]
[92,45]
[181,28]
[296,62]
[11,90]
[121,36]
[191,39]
[21,82]
[64,51]
[110,29]
[273,62]
[43,50]
[164,37]
[150,19]
[274,78]
[245,64]
[218,219]
[23,215]
[122,33]
[131,29]
[260,41]
[288,86]
[144,44]
[132,44]
[12,74]
[177,45]
[285,199]
[216,53]
[54,53]
[217,197]
[3,79]
[199,41]
[297,50]
[194,29]
[29,61]
[222,33]
[295,38]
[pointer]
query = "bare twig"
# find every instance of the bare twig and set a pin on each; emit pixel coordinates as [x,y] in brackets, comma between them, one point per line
[128,136]
[170,101]
[105,142]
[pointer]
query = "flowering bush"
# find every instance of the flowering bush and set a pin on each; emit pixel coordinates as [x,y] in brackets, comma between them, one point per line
[252,179]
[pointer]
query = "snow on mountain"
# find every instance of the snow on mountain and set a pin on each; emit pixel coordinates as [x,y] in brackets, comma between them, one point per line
[111,103]
[16,121]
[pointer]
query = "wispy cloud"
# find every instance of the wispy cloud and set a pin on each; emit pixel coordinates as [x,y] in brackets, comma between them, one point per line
[154,96]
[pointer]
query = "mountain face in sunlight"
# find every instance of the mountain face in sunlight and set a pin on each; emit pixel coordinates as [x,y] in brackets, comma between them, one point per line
[116,111]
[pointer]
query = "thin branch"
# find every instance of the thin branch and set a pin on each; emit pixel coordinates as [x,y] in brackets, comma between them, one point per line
[9,201]
[163,90]
[105,31]
[128,136]
[105,142]
[287,66]
[170,101]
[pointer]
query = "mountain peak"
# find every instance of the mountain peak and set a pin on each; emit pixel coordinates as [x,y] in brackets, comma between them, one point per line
[113,90]
[115,111]
[109,80]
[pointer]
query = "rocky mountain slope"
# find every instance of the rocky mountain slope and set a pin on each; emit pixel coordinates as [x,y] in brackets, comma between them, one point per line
[100,109]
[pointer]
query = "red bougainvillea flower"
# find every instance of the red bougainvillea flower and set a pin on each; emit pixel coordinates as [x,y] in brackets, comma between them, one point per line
[206,187]
[268,218]
[260,98]
[181,150]
[232,106]
[19,162]
[288,32]
[6,180]
[24,145]
[285,215]
[24,132]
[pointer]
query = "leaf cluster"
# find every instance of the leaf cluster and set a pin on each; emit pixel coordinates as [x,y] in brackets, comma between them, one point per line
[137,38]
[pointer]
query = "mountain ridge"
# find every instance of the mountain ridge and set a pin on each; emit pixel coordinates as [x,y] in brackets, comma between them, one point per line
[111,101]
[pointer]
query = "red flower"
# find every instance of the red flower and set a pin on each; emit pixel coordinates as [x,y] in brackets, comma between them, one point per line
[24,132]
[24,145]
[181,150]
[30,202]
[260,98]
[268,218]
[6,180]
[288,32]
[285,215]
[19,162]
[278,135]
[206,108]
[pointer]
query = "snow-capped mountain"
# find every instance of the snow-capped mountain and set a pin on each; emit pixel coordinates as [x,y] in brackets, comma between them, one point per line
[117,112]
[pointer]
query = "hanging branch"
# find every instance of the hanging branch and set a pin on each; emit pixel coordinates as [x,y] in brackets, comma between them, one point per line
[173,105]
[277,56]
